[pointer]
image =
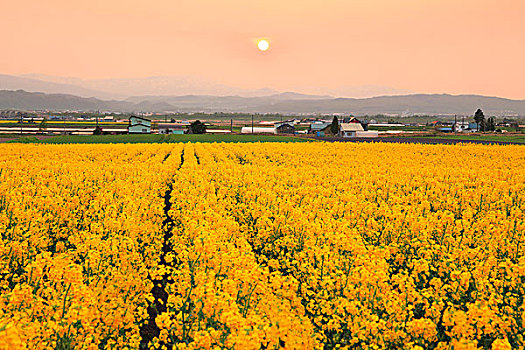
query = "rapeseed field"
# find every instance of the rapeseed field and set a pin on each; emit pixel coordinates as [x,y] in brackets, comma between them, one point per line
[262,246]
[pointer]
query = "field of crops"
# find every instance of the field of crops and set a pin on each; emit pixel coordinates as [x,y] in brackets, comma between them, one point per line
[262,246]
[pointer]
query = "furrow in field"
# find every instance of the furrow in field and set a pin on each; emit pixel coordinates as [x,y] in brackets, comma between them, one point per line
[82,238]
[159,297]
[220,293]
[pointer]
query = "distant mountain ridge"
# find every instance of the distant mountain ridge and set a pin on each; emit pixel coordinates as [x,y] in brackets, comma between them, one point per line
[28,83]
[430,104]
[280,103]
[122,88]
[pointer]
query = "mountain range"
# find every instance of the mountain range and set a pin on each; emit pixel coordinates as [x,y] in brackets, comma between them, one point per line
[119,89]
[191,94]
[287,103]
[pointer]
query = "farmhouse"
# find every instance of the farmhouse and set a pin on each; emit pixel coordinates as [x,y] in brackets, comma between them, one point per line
[319,128]
[350,129]
[139,125]
[355,130]
[285,128]
[172,128]
[460,126]
[348,120]
[473,127]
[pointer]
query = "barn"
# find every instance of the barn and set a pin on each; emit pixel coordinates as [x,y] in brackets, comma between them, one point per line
[320,128]
[285,128]
[139,125]
[172,128]
[350,129]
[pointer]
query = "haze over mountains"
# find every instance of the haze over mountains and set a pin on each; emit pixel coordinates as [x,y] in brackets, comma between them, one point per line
[168,86]
[123,88]
[279,103]
[39,92]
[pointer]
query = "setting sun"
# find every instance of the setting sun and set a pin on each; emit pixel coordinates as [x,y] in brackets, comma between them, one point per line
[263,44]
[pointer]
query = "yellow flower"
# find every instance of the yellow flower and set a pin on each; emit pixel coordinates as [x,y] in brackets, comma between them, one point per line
[262,245]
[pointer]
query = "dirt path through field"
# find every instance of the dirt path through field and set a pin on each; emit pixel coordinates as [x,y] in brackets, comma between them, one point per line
[150,330]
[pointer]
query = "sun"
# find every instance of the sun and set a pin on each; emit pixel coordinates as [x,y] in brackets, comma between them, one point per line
[263,44]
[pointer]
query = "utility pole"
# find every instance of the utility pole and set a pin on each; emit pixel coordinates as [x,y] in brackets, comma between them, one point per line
[231,126]
[64,120]
[455,123]
[21,121]
[252,123]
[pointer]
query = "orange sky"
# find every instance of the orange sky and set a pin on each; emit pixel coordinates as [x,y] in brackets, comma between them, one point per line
[441,46]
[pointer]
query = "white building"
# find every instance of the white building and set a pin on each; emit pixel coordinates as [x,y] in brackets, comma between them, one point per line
[460,126]
[218,131]
[257,130]
[369,133]
[355,130]
[171,128]
[349,129]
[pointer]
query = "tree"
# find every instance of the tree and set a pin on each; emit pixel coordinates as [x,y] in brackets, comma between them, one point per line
[334,128]
[479,118]
[43,125]
[98,130]
[490,125]
[197,127]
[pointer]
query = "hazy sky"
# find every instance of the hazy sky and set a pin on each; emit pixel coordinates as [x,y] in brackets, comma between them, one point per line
[441,46]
